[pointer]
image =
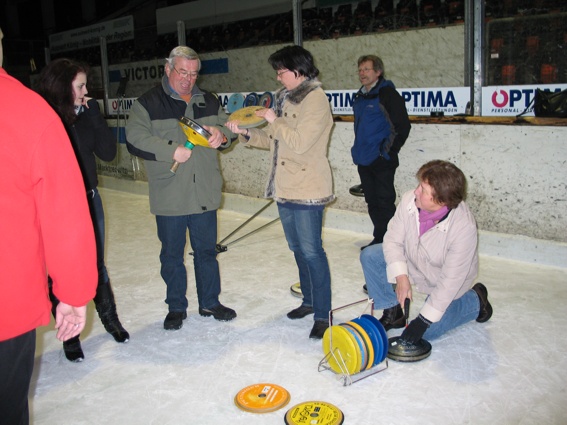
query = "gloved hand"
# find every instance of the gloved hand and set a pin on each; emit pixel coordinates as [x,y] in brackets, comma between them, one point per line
[415,329]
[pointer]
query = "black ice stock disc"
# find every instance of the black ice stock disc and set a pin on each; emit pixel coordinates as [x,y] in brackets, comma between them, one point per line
[401,351]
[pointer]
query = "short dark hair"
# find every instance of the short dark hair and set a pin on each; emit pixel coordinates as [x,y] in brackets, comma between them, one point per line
[377,63]
[56,86]
[296,59]
[448,182]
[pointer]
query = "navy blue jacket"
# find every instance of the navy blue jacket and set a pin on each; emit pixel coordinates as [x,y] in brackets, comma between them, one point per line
[381,123]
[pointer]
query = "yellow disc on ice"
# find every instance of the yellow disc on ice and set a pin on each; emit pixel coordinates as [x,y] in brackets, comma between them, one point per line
[342,349]
[314,412]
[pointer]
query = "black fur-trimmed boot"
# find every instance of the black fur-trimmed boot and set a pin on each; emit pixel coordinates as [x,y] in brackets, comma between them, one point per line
[73,350]
[106,309]
[393,318]
[72,347]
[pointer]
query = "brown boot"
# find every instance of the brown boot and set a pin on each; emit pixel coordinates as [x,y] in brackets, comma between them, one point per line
[393,318]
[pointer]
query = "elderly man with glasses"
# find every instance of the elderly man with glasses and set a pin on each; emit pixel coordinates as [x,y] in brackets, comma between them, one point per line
[188,198]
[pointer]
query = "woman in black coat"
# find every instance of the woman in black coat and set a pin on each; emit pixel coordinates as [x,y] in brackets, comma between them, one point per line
[63,84]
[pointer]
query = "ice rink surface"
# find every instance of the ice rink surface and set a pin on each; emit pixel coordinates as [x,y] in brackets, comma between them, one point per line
[510,370]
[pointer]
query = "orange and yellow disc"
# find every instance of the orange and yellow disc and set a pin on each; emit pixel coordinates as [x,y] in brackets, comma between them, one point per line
[314,412]
[262,398]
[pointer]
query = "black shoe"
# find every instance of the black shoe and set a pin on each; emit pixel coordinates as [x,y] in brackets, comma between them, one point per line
[300,312]
[174,320]
[219,312]
[73,351]
[365,288]
[319,328]
[485,311]
[393,318]
[356,190]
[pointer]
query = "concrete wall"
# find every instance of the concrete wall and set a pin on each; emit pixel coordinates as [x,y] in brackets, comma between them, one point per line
[432,57]
[517,174]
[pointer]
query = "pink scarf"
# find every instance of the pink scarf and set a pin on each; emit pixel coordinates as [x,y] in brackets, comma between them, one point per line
[428,219]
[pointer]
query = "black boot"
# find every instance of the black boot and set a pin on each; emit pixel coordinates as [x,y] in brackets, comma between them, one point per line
[71,347]
[106,308]
[393,318]
[485,311]
[73,350]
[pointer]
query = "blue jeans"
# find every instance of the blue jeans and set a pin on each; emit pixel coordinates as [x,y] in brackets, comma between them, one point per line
[459,312]
[97,217]
[302,229]
[172,232]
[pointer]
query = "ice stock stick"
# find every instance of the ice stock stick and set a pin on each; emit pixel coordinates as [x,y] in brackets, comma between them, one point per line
[406,310]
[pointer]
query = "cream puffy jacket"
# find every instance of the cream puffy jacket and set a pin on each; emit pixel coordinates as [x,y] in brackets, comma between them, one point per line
[442,263]
[298,141]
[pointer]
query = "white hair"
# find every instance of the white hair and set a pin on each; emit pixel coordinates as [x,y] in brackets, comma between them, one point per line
[183,52]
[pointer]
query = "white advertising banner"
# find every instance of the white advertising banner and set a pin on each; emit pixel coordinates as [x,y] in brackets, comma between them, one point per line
[449,100]
[499,101]
[505,101]
[120,106]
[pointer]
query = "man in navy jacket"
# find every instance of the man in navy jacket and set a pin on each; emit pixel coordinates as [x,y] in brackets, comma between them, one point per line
[381,127]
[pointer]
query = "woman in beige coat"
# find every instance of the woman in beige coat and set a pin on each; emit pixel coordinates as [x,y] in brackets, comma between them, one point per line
[300,180]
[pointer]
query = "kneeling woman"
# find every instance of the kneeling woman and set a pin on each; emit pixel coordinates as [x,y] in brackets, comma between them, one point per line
[431,242]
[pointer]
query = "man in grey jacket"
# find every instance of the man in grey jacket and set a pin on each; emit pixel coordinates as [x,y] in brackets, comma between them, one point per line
[189,197]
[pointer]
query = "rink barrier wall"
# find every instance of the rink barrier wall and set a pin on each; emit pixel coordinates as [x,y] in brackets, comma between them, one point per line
[512,247]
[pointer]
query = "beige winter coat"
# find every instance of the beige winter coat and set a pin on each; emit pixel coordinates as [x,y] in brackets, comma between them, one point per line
[443,262]
[298,142]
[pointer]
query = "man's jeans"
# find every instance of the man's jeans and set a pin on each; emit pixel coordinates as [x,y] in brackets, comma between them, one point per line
[459,312]
[172,232]
[302,230]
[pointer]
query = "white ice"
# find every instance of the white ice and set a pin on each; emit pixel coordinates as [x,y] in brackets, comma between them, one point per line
[510,370]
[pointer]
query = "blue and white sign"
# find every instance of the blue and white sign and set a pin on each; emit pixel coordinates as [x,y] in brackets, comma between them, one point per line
[449,100]
[497,101]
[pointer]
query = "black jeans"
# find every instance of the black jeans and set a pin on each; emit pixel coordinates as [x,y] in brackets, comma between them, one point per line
[16,367]
[377,181]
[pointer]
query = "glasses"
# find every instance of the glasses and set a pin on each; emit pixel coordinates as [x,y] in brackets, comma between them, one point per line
[187,75]
[280,73]
[365,70]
